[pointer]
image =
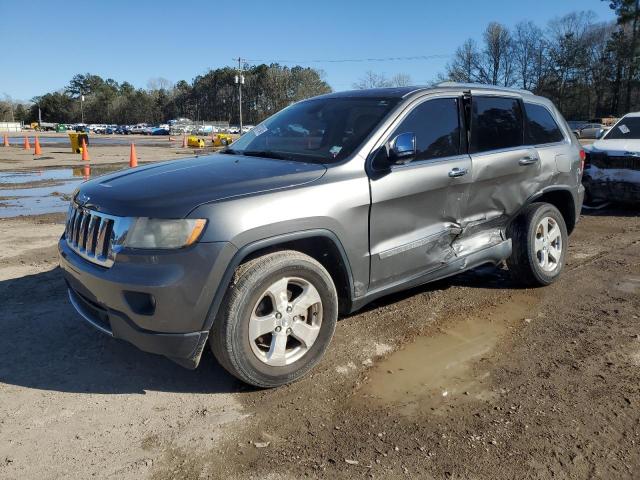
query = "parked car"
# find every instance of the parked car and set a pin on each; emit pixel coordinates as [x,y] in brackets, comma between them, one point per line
[590,131]
[139,128]
[257,249]
[122,130]
[576,125]
[612,164]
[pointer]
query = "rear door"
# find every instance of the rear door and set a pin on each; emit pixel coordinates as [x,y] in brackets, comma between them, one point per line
[505,170]
[416,207]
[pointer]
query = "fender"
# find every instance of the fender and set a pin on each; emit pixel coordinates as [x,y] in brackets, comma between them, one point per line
[554,188]
[249,248]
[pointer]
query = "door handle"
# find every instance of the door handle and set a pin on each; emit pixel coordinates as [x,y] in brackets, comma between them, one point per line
[457,172]
[528,160]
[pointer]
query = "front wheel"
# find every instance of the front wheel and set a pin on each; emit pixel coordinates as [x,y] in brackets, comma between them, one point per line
[276,320]
[539,240]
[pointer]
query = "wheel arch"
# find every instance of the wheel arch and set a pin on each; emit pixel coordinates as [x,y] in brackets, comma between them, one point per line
[563,200]
[321,244]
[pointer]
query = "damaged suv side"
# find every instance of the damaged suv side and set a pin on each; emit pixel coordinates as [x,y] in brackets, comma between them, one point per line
[327,205]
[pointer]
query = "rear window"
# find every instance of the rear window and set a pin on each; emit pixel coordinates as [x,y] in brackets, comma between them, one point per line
[496,123]
[541,127]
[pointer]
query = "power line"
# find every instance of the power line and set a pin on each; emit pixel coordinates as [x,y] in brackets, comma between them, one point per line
[354,60]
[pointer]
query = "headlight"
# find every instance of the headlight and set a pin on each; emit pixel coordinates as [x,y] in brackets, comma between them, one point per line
[156,233]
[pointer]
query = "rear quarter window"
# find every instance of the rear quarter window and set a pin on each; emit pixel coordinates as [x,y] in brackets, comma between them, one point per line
[496,123]
[541,127]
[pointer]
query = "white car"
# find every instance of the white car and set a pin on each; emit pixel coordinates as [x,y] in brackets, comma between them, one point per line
[612,163]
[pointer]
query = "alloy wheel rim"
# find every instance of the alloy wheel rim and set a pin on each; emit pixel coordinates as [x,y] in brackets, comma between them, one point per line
[548,244]
[285,321]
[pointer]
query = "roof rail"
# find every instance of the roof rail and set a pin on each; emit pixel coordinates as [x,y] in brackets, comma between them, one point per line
[482,85]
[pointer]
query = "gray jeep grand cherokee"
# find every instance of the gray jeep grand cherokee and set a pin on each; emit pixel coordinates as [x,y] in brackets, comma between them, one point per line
[325,206]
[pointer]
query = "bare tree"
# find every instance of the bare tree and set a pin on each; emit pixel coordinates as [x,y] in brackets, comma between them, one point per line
[159,83]
[372,80]
[496,67]
[464,66]
[527,50]
[400,80]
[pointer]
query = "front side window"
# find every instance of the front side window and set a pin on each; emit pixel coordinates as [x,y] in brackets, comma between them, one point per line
[627,128]
[496,123]
[324,130]
[435,123]
[541,127]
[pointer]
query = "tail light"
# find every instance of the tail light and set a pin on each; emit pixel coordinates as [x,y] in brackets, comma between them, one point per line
[583,159]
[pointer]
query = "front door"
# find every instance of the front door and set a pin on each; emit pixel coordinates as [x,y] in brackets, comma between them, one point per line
[416,207]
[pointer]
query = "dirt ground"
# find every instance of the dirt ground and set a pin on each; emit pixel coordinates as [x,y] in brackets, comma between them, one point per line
[103,150]
[470,377]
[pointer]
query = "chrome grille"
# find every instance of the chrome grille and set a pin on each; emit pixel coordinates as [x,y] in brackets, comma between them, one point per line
[93,235]
[602,160]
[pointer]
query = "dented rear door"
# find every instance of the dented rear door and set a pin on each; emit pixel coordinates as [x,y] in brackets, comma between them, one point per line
[505,172]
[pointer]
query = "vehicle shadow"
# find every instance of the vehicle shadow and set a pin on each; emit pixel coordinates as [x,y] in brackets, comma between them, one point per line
[612,210]
[484,276]
[45,344]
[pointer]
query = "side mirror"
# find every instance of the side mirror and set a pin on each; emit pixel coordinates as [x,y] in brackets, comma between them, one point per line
[402,148]
[600,133]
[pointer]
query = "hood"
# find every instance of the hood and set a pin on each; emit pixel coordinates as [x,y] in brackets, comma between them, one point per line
[616,146]
[173,189]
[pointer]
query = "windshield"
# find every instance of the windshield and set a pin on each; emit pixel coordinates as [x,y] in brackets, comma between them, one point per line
[324,130]
[627,128]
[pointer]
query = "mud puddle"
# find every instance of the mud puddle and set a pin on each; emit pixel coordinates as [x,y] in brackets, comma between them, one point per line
[34,192]
[440,369]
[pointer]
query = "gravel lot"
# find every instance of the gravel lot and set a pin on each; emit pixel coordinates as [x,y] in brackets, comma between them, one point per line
[466,378]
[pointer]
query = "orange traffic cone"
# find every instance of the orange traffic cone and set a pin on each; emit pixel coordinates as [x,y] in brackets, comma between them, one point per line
[37,150]
[27,146]
[85,151]
[133,159]
[184,141]
[6,140]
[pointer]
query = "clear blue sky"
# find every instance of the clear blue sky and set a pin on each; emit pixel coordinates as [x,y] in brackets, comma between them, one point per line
[45,43]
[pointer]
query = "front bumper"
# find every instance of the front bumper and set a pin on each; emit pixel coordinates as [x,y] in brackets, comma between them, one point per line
[180,283]
[613,187]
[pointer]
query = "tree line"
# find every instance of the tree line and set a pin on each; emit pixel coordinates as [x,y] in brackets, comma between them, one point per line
[588,69]
[212,97]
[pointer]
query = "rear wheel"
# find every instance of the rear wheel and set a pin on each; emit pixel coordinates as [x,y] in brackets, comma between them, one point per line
[276,320]
[539,240]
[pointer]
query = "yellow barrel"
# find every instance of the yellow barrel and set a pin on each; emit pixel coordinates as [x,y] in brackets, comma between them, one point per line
[76,141]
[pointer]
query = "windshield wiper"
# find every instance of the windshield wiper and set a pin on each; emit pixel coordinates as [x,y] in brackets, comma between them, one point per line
[265,154]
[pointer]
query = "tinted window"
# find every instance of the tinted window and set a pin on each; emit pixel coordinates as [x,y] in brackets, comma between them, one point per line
[541,127]
[495,123]
[436,126]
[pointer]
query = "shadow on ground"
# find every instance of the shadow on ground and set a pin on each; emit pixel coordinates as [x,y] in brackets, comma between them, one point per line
[44,344]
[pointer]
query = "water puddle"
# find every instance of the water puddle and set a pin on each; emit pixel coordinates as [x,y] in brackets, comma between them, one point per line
[437,370]
[34,192]
[160,141]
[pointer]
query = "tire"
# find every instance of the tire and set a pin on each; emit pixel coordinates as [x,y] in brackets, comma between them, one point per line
[249,308]
[527,263]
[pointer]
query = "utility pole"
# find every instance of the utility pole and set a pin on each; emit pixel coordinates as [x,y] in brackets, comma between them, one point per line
[240,81]
[82,107]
